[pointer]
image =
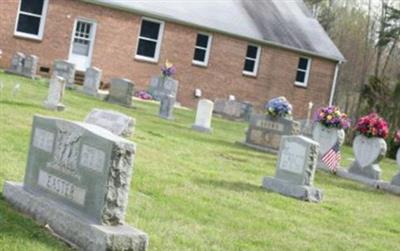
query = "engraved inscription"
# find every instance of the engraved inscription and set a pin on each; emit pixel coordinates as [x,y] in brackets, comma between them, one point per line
[270,125]
[92,158]
[43,140]
[293,156]
[61,187]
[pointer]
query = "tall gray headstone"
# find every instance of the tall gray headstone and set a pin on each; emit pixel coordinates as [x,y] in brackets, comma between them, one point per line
[17,63]
[30,66]
[368,153]
[265,132]
[116,122]
[167,107]
[396,179]
[56,94]
[163,86]
[92,81]
[77,181]
[295,169]
[65,70]
[203,116]
[121,92]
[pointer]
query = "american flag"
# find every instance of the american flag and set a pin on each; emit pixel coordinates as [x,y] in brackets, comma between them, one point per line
[332,158]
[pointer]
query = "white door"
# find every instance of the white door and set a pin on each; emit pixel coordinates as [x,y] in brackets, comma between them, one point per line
[82,44]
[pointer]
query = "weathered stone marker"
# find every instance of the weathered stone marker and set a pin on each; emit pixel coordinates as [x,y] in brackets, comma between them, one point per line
[396,179]
[30,66]
[264,132]
[92,81]
[232,109]
[203,116]
[116,122]
[17,63]
[295,169]
[121,92]
[163,86]
[66,70]
[368,152]
[77,181]
[56,93]
[167,107]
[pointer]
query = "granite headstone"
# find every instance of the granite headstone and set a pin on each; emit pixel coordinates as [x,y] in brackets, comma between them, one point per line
[116,122]
[29,68]
[92,81]
[17,63]
[163,86]
[167,107]
[203,116]
[56,93]
[396,179]
[65,70]
[77,182]
[121,91]
[295,169]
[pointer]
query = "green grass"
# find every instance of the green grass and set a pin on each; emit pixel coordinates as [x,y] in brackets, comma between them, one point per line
[193,191]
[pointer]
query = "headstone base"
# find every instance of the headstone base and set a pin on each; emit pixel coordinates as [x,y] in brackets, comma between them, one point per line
[306,193]
[371,172]
[257,147]
[202,129]
[77,230]
[165,117]
[396,180]
[58,107]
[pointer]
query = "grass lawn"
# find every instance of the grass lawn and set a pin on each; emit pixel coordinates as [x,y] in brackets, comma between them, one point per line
[193,191]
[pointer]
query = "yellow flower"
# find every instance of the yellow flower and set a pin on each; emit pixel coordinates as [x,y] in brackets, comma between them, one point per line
[168,64]
[329,117]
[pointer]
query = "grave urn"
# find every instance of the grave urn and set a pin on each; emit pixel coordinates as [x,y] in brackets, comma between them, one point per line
[368,153]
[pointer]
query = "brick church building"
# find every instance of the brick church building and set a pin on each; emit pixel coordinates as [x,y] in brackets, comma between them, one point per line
[252,49]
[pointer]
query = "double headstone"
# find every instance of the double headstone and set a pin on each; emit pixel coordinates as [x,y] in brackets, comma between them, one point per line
[116,122]
[163,86]
[396,178]
[233,109]
[77,182]
[295,169]
[92,81]
[65,70]
[204,116]
[121,92]
[368,152]
[167,107]
[56,93]
[265,132]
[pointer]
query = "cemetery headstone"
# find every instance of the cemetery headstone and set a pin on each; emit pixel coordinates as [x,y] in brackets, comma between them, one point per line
[17,63]
[65,70]
[295,169]
[203,116]
[92,81]
[116,122]
[328,138]
[167,107]
[368,152]
[265,132]
[121,92]
[163,86]
[77,182]
[30,66]
[396,179]
[306,127]
[56,93]
[233,109]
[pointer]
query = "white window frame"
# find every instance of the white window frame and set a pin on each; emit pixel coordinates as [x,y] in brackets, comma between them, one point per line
[42,17]
[307,71]
[256,63]
[208,49]
[158,41]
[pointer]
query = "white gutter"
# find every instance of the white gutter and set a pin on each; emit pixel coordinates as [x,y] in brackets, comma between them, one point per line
[333,90]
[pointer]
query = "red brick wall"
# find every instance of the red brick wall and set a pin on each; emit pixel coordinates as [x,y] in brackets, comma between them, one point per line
[115,47]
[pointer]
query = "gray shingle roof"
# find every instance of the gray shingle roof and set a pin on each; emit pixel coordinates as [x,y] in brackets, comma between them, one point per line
[284,23]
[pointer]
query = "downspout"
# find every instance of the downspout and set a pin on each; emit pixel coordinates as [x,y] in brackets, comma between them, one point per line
[333,90]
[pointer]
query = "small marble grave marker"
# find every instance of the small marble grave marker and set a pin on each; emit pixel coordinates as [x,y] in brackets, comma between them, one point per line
[295,169]
[77,181]
[396,178]
[30,66]
[65,70]
[264,132]
[116,122]
[368,152]
[161,86]
[204,116]
[56,93]
[16,89]
[121,92]
[92,81]
[167,107]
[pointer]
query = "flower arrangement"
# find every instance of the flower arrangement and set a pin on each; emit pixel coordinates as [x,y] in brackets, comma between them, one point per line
[372,126]
[168,69]
[143,95]
[332,117]
[397,137]
[279,106]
